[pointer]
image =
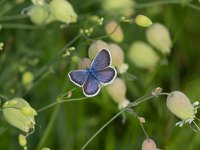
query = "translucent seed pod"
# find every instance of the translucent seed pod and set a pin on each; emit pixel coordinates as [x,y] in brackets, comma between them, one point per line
[179,104]
[15,117]
[39,15]
[84,63]
[149,144]
[142,55]
[96,47]
[117,55]
[63,11]
[123,103]
[115,32]
[117,90]
[143,21]
[158,36]
[119,7]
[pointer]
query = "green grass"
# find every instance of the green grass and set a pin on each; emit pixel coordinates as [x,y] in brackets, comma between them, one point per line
[69,125]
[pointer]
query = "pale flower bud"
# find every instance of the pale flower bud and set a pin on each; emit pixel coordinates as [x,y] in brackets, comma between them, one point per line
[27,78]
[96,47]
[149,144]
[143,21]
[142,55]
[22,140]
[179,104]
[115,32]
[117,55]
[1,46]
[84,63]
[63,11]
[158,35]
[38,2]
[29,111]
[117,90]
[12,111]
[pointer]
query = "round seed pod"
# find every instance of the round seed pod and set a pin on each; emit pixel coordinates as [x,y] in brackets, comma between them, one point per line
[142,55]
[143,21]
[96,47]
[158,36]
[84,63]
[117,55]
[63,11]
[149,144]
[114,31]
[15,116]
[117,90]
[119,7]
[39,15]
[179,104]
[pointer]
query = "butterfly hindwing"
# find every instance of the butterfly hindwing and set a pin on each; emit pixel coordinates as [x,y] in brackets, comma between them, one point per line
[91,87]
[102,60]
[78,77]
[106,75]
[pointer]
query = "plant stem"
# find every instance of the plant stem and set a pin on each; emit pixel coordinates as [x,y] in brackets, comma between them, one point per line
[14,17]
[18,26]
[59,102]
[106,124]
[135,103]
[151,4]
[48,129]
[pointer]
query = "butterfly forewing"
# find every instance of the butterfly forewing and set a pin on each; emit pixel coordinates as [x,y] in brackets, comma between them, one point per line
[102,60]
[91,87]
[106,75]
[78,77]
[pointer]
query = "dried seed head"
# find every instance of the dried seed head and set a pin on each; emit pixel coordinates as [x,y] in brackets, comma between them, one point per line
[114,31]
[117,90]
[84,63]
[142,55]
[179,104]
[96,47]
[158,35]
[17,117]
[63,11]
[143,21]
[149,144]
[117,55]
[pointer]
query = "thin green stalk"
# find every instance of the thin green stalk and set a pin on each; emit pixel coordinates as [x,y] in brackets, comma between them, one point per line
[151,4]
[193,6]
[48,129]
[59,102]
[135,103]
[18,26]
[105,125]
[14,17]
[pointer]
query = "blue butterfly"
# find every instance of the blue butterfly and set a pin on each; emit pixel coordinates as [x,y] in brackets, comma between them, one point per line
[100,73]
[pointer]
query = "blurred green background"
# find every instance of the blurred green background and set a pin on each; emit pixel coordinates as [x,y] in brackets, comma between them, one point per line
[28,47]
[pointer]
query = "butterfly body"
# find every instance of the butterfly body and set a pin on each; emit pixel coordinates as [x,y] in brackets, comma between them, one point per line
[100,73]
